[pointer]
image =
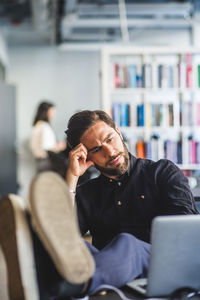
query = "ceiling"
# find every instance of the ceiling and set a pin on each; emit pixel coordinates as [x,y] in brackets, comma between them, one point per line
[59,21]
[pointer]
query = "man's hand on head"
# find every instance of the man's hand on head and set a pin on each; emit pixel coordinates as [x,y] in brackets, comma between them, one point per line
[77,165]
[78,162]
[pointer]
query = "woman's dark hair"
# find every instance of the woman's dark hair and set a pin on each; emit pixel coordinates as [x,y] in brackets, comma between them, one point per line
[42,110]
[83,120]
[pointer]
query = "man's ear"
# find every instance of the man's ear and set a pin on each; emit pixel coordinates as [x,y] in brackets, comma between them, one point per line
[118,131]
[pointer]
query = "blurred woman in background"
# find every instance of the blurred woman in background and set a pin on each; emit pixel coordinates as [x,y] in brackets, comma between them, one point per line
[43,144]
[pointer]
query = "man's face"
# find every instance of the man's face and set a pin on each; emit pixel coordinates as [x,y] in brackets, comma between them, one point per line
[106,149]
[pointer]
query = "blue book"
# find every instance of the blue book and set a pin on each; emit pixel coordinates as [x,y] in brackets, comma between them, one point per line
[170,78]
[132,76]
[124,117]
[148,149]
[198,152]
[116,113]
[126,114]
[179,152]
[141,115]
[139,76]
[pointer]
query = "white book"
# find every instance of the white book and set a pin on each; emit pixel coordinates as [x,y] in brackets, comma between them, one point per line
[175,77]
[182,75]
[161,153]
[154,149]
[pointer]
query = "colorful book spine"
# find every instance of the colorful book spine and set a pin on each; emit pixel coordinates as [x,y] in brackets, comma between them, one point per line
[170,77]
[198,72]
[140,115]
[171,114]
[198,152]
[140,149]
[188,70]
[116,76]
[139,76]
[116,114]
[121,114]
[182,74]
[179,152]
[132,76]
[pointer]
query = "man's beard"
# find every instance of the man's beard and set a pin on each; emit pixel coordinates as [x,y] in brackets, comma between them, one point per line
[121,168]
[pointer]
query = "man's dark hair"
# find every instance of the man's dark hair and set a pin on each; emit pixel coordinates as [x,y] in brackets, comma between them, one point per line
[82,121]
[41,114]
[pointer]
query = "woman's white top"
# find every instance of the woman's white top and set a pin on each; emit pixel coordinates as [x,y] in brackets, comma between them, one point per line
[42,139]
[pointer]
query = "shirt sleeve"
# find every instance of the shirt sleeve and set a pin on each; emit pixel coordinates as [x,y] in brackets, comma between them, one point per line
[82,215]
[177,197]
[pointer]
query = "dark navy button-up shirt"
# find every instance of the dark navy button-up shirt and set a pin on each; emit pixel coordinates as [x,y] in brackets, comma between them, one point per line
[107,207]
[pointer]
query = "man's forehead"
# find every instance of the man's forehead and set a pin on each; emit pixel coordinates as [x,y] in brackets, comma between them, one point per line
[96,132]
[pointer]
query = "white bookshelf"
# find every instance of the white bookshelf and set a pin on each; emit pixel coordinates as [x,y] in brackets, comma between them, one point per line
[161,85]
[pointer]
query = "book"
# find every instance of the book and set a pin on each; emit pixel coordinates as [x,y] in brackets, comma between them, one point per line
[170,77]
[116,76]
[139,78]
[160,67]
[116,113]
[125,79]
[148,149]
[147,75]
[140,115]
[154,147]
[132,76]
[188,70]
[182,74]
[198,72]
[148,114]
[179,152]
[171,114]
[140,149]
[198,152]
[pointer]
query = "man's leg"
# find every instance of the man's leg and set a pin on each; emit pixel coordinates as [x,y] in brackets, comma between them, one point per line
[51,283]
[122,260]
[31,272]
[54,219]
[55,222]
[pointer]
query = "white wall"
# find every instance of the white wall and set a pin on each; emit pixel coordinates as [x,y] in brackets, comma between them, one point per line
[69,79]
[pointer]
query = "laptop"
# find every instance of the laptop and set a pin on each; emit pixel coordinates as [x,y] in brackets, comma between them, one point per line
[175,256]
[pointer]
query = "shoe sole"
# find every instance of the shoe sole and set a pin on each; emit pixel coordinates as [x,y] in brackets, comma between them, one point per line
[16,244]
[55,221]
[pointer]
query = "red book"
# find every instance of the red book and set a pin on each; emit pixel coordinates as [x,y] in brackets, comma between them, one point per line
[192,151]
[188,70]
[116,76]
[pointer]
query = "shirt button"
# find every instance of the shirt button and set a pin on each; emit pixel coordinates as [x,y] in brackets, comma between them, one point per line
[119,183]
[119,203]
[142,196]
[110,180]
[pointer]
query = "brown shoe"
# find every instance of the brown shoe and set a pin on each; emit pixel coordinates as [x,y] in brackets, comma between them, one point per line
[16,244]
[55,221]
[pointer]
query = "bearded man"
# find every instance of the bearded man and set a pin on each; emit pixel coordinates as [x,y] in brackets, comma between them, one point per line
[117,208]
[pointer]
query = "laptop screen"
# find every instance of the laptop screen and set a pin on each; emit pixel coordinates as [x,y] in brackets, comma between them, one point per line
[175,254]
